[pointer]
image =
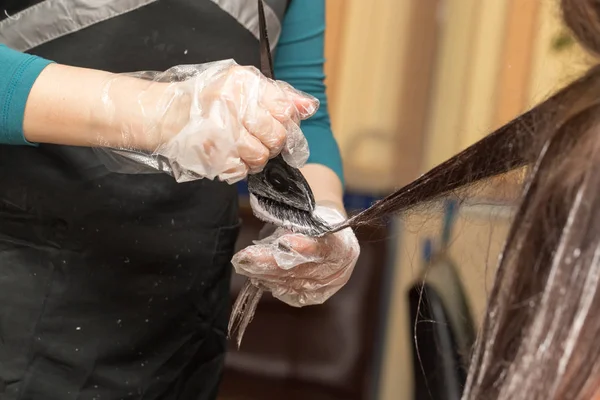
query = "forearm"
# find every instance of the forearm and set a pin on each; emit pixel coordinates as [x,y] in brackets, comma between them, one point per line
[66,106]
[60,105]
[43,102]
[326,185]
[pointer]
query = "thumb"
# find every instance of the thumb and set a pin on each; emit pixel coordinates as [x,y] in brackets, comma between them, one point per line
[306,105]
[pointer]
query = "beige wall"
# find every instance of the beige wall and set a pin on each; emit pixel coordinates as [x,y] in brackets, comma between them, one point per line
[378,72]
[467,64]
[552,69]
[364,93]
[496,60]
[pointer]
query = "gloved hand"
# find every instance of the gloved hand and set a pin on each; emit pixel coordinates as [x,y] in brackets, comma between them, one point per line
[301,270]
[215,120]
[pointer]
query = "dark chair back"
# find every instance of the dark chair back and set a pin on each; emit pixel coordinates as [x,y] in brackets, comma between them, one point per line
[442,332]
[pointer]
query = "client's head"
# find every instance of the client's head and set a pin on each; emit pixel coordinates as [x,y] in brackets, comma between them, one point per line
[541,334]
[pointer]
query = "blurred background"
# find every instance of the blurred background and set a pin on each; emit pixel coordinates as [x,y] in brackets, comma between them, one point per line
[410,83]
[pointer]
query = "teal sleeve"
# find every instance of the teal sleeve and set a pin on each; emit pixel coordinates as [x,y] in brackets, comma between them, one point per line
[18,72]
[299,61]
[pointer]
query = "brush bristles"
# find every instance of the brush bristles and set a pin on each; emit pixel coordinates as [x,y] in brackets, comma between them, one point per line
[294,219]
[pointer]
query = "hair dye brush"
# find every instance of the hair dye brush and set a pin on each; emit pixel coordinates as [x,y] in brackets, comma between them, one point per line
[279,195]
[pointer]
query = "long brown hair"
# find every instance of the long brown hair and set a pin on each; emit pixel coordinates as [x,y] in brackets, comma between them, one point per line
[540,338]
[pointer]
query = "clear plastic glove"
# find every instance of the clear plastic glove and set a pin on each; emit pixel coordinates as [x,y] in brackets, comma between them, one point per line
[215,120]
[301,270]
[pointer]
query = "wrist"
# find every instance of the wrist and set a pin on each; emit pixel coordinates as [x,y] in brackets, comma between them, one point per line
[125,114]
[156,112]
[336,205]
[171,105]
[326,186]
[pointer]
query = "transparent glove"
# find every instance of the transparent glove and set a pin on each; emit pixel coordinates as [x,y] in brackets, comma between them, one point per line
[215,120]
[301,270]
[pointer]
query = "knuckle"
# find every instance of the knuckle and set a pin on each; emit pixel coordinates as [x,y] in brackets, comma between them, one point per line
[277,139]
[258,158]
[262,157]
[244,72]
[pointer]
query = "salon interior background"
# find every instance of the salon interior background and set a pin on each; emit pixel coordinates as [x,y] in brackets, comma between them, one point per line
[411,83]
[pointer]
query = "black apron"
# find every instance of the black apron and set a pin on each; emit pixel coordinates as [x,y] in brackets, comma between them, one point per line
[116,286]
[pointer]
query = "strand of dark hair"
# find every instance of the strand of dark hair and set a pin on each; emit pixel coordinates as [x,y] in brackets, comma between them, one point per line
[508,148]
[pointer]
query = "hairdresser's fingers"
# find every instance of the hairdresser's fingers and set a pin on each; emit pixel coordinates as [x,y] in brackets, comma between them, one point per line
[303,285]
[255,261]
[261,124]
[308,282]
[304,292]
[328,248]
[252,151]
[273,262]
[286,103]
[302,244]
[299,299]
[264,262]
[299,252]
[235,174]
[305,104]
[293,250]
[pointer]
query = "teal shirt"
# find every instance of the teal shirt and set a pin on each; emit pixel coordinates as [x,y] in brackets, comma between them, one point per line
[298,60]
[18,72]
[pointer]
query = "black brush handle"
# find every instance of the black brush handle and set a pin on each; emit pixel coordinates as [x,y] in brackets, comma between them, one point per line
[266,60]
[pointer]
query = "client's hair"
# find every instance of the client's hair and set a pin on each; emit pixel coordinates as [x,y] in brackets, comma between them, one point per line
[540,338]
